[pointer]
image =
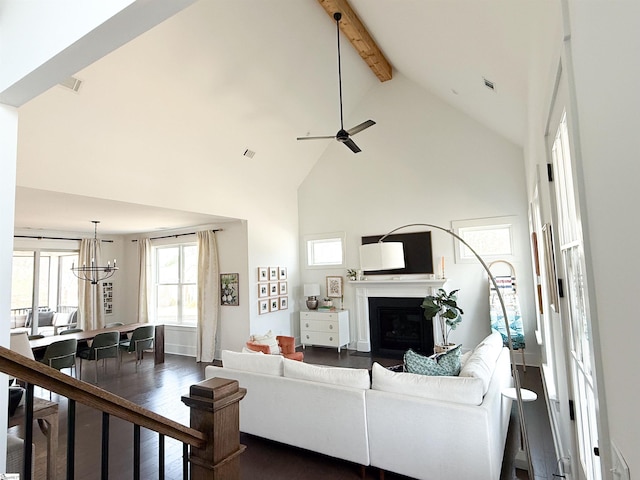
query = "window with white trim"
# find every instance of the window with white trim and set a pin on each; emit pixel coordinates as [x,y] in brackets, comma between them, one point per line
[325,250]
[176,283]
[491,238]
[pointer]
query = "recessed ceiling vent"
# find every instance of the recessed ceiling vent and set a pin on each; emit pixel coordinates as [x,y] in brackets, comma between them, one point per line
[72,83]
[249,153]
[489,84]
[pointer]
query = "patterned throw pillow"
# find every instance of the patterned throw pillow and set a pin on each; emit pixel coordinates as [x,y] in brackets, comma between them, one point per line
[445,364]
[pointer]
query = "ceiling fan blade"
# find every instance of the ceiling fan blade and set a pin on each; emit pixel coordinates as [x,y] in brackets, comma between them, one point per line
[362,126]
[316,138]
[351,144]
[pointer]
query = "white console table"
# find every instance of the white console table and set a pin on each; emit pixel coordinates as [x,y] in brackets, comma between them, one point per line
[324,328]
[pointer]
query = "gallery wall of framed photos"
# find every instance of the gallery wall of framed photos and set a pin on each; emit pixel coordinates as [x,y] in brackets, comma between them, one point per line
[273,291]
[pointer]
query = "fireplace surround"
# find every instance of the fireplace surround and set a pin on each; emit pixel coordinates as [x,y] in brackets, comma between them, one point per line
[404,287]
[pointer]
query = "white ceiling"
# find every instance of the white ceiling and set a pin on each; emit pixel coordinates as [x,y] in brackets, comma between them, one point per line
[273,64]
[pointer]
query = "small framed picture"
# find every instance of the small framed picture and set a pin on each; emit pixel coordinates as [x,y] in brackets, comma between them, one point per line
[283,288]
[274,305]
[229,289]
[263,306]
[334,287]
[273,289]
[282,272]
[263,290]
[263,274]
[273,273]
[284,303]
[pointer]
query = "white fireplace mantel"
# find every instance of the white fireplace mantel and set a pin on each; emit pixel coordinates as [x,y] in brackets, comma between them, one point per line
[402,287]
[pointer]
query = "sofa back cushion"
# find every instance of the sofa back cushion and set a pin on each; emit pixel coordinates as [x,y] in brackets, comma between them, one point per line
[346,377]
[251,362]
[468,391]
[482,361]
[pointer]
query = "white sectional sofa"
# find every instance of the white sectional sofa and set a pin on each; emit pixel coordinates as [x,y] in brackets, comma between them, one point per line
[419,426]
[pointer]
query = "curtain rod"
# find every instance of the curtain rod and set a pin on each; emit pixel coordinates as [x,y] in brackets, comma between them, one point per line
[55,238]
[178,235]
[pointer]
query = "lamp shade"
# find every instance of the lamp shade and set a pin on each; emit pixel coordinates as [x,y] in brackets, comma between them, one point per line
[19,343]
[382,256]
[311,289]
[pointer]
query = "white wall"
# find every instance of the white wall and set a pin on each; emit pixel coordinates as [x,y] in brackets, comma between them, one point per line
[424,161]
[8,137]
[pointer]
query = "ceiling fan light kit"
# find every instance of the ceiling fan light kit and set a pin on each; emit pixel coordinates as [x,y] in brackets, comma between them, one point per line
[343,136]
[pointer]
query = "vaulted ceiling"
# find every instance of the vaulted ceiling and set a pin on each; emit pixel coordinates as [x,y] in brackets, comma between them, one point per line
[270,66]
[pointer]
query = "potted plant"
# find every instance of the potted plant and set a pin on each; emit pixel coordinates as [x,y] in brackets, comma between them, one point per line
[445,306]
[352,274]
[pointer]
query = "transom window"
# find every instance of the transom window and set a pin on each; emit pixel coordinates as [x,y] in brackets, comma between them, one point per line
[490,237]
[325,250]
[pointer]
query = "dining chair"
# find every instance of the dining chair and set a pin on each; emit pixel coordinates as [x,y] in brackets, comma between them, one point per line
[104,345]
[71,330]
[61,354]
[141,340]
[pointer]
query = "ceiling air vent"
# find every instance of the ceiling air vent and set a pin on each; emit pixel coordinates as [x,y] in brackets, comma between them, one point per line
[489,84]
[249,153]
[72,83]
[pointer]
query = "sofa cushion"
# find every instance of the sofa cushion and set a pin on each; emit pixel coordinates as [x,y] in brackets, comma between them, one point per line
[267,339]
[446,364]
[60,319]
[250,362]
[347,377]
[482,360]
[467,391]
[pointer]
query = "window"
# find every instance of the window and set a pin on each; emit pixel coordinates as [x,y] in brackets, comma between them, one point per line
[489,237]
[176,281]
[325,250]
[57,286]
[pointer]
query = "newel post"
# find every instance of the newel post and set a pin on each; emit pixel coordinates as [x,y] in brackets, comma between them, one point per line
[215,411]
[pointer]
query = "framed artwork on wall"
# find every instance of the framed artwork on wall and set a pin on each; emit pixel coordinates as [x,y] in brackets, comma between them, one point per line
[282,272]
[334,287]
[229,289]
[263,290]
[263,274]
[274,305]
[263,306]
[273,274]
[283,288]
[550,267]
[273,289]
[284,303]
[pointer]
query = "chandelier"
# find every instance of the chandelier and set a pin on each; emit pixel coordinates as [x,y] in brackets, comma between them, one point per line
[94,273]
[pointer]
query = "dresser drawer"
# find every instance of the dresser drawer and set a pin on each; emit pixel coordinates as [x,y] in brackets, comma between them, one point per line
[321,338]
[318,316]
[319,326]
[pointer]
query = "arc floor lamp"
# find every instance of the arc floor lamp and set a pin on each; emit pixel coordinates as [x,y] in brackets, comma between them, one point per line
[390,255]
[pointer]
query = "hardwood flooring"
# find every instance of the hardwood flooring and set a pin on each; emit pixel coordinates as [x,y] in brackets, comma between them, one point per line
[159,388]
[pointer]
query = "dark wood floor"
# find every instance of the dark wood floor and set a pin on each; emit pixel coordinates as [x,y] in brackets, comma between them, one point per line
[159,388]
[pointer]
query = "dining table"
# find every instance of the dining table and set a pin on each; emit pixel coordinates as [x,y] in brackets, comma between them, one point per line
[39,345]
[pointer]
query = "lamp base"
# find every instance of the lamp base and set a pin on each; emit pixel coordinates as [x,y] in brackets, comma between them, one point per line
[312,303]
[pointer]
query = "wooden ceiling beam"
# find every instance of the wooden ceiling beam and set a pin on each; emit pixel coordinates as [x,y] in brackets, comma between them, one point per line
[359,37]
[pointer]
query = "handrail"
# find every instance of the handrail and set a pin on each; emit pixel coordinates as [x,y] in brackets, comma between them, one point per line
[36,373]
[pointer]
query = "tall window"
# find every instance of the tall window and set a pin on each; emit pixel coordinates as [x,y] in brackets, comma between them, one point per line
[57,287]
[176,280]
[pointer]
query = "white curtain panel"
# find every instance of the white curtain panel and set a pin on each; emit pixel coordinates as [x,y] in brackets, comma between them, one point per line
[144,279]
[90,307]
[208,296]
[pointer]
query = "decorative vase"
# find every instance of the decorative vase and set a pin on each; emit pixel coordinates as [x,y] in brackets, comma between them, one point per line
[312,303]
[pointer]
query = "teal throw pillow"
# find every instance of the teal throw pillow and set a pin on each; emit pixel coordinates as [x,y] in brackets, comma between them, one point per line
[445,364]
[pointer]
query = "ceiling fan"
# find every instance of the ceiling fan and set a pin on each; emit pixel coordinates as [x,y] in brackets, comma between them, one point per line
[343,135]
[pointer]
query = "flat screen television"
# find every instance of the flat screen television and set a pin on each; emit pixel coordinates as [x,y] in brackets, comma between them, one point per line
[418,257]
